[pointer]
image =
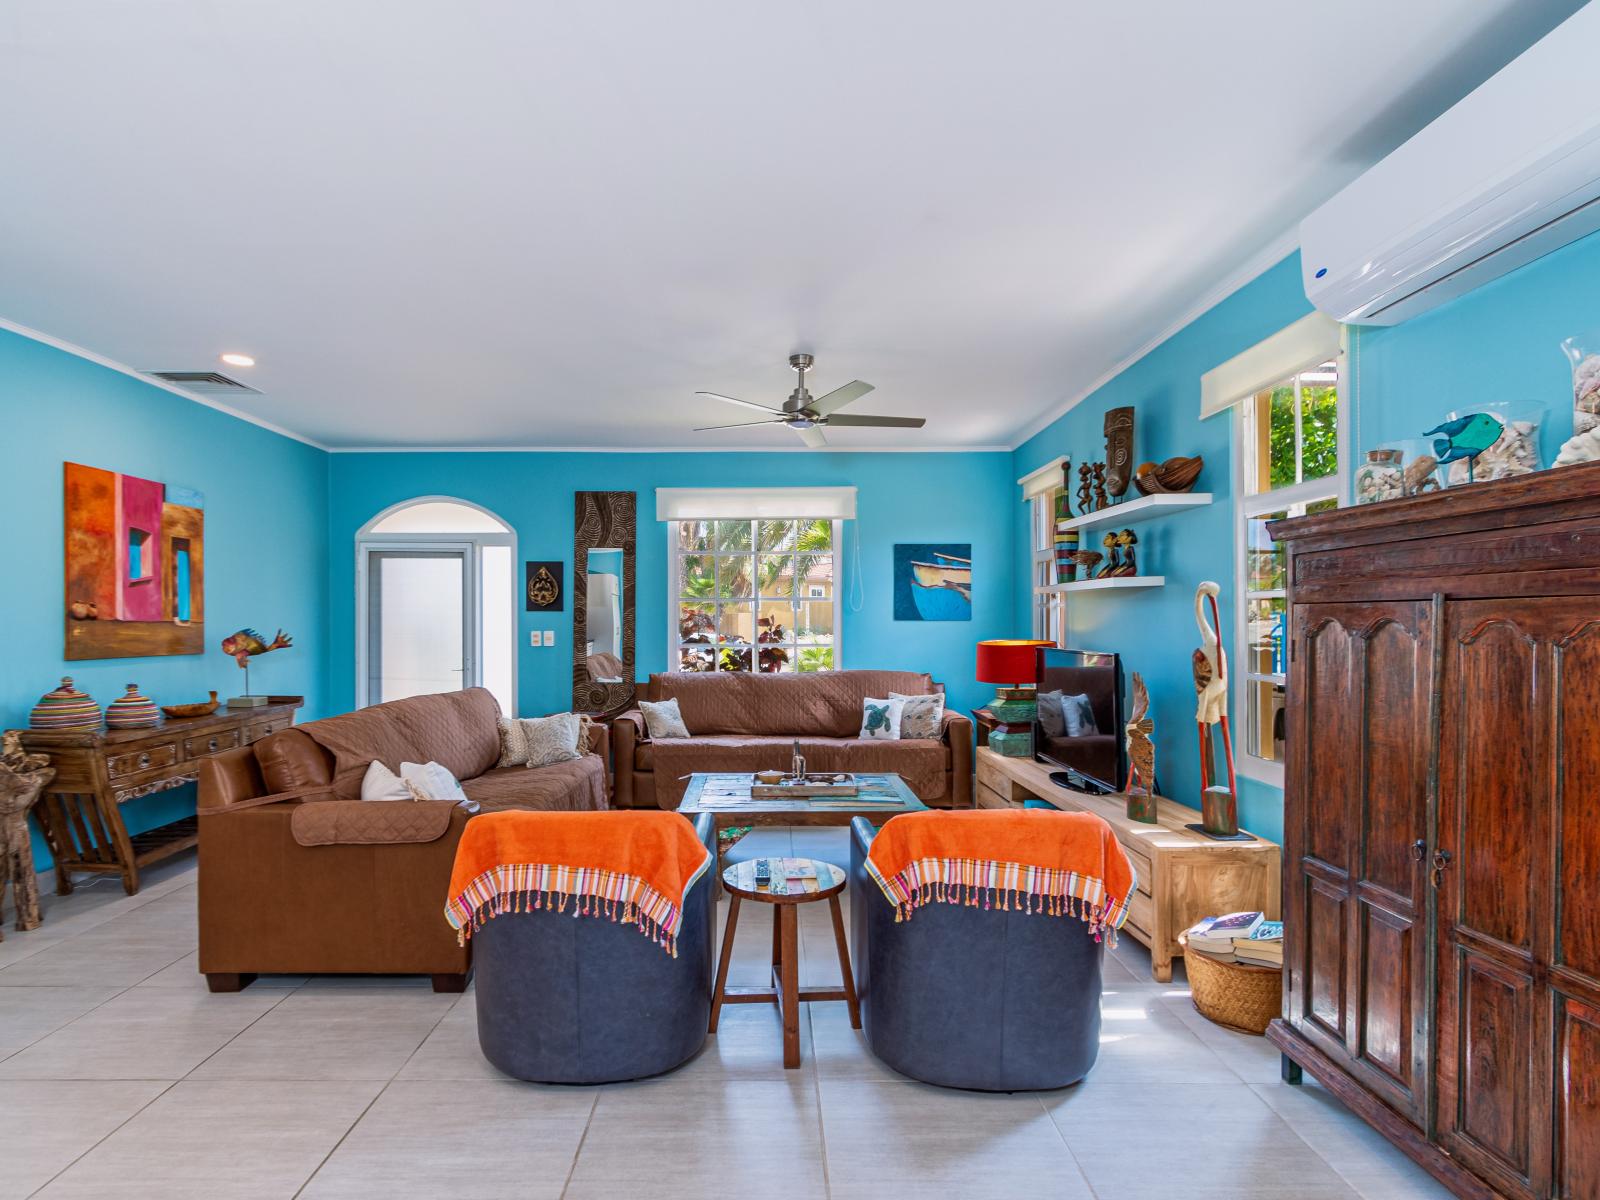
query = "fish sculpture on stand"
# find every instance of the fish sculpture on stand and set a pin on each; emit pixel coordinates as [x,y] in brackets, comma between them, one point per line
[243,646]
[1466,438]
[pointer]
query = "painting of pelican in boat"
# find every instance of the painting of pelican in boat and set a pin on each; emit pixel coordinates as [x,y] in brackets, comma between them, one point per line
[933,582]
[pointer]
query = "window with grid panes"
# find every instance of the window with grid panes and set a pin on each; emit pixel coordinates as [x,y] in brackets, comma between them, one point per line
[755,595]
[1288,445]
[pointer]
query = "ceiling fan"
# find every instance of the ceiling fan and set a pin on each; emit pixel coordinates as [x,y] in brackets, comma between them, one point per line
[807,414]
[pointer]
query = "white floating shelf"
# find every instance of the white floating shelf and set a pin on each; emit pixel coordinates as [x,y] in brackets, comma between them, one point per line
[1096,585]
[1145,508]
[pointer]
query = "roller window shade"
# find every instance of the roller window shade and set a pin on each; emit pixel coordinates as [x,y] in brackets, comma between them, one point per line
[1309,341]
[1043,480]
[710,504]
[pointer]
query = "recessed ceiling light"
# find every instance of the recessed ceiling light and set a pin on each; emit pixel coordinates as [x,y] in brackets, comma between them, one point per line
[238,360]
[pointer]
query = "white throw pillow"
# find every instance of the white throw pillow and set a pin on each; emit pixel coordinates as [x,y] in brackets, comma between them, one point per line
[922,716]
[380,783]
[880,719]
[1050,715]
[551,739]
[663,720]
[1077,714]
[431,781]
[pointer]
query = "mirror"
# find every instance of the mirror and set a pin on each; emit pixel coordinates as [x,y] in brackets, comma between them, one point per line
[602,602]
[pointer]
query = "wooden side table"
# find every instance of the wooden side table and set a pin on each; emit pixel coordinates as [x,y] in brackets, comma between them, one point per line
[99,770]
[785,992]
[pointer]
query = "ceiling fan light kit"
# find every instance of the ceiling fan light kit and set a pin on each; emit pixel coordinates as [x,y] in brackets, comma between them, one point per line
[807,414]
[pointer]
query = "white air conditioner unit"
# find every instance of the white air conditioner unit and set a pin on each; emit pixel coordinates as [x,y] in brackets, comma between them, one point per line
[1510,173]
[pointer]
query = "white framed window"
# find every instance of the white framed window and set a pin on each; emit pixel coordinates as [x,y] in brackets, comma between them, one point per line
[754,594]
[1289,460]
[436,602]
[1043,491]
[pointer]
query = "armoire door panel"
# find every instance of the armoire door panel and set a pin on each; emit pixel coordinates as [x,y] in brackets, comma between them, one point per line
[1578,1096]
[1385,1030]
[1577,806]
[1495,1053]
[1398,681]
[1331,771]
[1327,957]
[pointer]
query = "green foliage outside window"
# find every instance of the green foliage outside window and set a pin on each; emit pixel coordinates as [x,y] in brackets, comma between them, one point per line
[1319,407]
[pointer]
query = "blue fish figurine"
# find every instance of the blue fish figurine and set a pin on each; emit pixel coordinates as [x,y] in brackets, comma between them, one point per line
[1466,437]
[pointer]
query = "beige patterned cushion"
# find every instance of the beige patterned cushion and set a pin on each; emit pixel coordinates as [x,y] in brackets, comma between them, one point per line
[922,716]
[663,719]
[540,741]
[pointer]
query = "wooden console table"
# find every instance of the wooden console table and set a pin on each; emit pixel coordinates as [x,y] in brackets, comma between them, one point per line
[1183,875]
[98,770]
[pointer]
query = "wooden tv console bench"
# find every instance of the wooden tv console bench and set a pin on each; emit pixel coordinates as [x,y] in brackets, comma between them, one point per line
[1183,875]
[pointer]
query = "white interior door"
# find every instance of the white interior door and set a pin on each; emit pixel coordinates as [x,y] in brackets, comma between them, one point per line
[421,632]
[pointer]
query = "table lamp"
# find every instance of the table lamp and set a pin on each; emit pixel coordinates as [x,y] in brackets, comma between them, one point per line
[1013,662]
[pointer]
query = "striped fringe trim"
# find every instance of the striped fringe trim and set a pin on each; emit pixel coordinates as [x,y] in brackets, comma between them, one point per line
[588,891]
[987,883]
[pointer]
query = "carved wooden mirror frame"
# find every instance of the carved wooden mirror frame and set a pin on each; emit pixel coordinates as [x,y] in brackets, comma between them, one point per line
[602,521]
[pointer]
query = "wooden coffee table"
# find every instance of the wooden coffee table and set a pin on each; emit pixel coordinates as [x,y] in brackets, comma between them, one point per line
[727,798]
[785,991]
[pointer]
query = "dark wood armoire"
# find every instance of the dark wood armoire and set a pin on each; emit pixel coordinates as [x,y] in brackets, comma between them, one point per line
[1442,826]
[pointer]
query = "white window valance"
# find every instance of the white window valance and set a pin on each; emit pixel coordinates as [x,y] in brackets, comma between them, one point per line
[1309,341]
[709,504]
[1042,480]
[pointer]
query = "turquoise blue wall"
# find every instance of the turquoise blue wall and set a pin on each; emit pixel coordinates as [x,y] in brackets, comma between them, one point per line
[266,553]
[901,498]
[1502,342]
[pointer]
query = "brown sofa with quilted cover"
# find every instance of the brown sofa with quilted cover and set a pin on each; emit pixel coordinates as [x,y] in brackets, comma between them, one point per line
[742,722]
[300,876]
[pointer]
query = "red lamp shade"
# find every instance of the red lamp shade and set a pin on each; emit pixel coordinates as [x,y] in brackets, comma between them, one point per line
[1009,660]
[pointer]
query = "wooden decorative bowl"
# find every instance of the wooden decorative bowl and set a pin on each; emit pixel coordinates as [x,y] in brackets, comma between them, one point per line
[204,709]
[1174,475]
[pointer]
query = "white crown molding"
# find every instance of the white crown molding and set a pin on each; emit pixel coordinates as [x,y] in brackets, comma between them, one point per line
[668,450]
[101,360]
[1274,252]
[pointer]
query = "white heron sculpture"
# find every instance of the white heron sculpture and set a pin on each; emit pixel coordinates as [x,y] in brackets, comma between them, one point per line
[1211,687]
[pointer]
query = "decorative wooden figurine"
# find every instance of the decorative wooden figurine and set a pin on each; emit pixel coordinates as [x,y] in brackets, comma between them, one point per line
[1113,565]
[1126,540]
[1100,500]
[1085,504]
[1141,756]
[22,778]
[1219,806]
[1119,449]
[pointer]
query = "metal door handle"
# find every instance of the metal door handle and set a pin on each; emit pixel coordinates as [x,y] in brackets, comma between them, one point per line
[1441,861]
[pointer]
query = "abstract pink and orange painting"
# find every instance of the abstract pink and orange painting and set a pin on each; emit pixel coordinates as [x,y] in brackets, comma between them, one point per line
[135,566]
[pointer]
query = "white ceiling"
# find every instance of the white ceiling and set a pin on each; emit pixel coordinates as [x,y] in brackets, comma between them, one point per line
[475,222]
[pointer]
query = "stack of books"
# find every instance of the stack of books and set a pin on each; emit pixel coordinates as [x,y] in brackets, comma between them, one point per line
[1242,937]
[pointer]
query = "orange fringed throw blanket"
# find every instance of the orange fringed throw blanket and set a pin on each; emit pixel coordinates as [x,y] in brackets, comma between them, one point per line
[1057,863]
[625,866]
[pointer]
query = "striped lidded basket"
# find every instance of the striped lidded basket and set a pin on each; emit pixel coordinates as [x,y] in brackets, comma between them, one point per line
[132,711]
[65,708]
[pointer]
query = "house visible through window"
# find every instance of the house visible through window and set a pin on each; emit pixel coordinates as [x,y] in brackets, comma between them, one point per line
[1288,443]
[755,595]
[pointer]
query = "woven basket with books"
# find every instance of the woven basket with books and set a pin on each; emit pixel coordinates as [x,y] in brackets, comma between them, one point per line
[1234,963]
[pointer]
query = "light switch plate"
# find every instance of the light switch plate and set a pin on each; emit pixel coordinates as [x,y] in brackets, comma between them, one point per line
[533,639]
[549,637]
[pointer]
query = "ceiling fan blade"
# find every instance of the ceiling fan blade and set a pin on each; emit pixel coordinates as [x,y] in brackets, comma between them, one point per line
[736,400]
[863,421]
[840,396]
[736,425]
[812,436]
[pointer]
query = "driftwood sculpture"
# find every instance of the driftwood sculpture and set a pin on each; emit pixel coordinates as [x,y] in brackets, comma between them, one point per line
[1219,806]
[1141,756]
[22,778]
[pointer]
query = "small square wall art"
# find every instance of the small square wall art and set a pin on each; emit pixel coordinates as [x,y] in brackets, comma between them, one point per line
[135,566]
[933,581]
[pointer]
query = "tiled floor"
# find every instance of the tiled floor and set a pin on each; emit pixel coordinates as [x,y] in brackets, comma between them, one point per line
[120,1075]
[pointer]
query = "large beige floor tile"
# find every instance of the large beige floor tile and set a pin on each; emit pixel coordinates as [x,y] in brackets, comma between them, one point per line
[1362,1156]
[1199,1141]
[941,1142]
[491,1140]
[738,1138]
[451,1050]
[352,1034]
[209,1140]
[29,1013]
[48,1124]
[94,960]
[154,1034]
[841,1052]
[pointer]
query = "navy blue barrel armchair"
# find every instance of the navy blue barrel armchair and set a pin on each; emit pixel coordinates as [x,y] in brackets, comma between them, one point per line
[585,1000]
[966,997]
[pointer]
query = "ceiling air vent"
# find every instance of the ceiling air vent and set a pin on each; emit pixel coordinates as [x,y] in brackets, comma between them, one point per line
[206,383]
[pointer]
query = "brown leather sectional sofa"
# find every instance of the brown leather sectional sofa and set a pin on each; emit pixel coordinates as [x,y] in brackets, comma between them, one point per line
[300,876]
[751,722]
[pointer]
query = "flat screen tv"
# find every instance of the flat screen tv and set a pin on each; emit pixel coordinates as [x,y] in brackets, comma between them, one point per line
[1079,726]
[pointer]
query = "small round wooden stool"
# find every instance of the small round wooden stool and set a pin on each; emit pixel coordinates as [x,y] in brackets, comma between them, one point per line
[826,883]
